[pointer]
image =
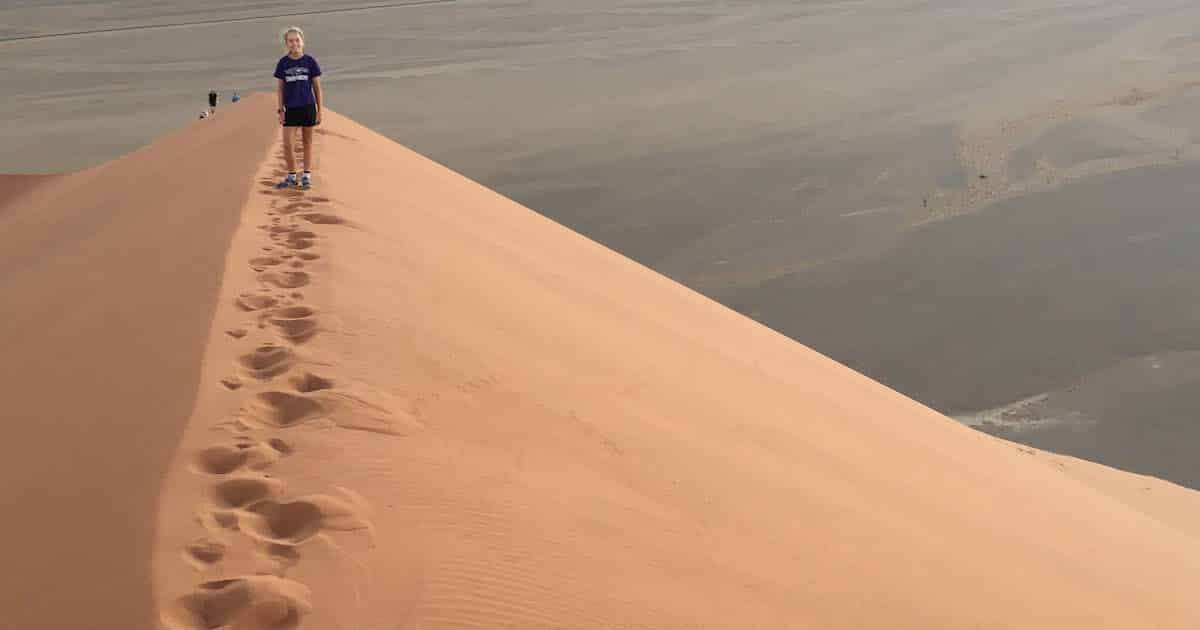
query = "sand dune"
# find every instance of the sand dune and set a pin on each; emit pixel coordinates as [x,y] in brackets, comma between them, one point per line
[401,400]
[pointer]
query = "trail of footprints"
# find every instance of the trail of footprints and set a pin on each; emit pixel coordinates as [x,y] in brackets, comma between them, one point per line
[245,500]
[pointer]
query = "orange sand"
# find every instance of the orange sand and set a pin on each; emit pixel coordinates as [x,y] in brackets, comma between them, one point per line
[401,400]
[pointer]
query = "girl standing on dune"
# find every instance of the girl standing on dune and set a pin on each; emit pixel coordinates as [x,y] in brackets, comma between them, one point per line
[300,103]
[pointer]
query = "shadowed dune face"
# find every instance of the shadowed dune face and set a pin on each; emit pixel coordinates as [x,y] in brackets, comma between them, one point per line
[109,283]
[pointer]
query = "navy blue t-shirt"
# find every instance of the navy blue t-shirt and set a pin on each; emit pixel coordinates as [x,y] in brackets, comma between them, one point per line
[297,75]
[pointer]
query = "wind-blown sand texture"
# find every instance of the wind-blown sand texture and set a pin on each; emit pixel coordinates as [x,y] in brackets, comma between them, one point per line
[400,400]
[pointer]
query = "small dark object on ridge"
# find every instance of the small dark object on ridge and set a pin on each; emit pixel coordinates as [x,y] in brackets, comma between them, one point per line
[982,176]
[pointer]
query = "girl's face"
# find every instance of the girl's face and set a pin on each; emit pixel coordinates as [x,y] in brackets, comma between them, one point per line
[295,44]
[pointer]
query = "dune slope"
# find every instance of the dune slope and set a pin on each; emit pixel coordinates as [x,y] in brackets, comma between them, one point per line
[457,413]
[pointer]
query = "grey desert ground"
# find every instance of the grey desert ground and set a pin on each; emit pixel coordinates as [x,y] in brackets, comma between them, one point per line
[989,208]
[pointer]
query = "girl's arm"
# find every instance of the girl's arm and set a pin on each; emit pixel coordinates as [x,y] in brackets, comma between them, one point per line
[279,97]
[320,97]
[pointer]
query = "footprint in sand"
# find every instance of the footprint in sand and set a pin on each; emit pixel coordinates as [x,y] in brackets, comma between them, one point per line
[276,409]
[298,239]
[242,454]
[285,279]
[253,602]
[231,383]
[236,333]
[296,206]
[344,409]
[322,218]
[281,447]
[296,324]
[266,361]
[261,262]
[245,491]
[309,382]
[218,520]
[293,522]
[250,302]
[283,557]
[204,552]
[353,408]
[298,233]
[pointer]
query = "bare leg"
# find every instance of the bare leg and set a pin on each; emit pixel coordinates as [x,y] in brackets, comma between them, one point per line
[307,132]
[289,150]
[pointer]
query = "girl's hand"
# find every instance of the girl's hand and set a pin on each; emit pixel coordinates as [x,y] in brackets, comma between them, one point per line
[318,115]
[281,117]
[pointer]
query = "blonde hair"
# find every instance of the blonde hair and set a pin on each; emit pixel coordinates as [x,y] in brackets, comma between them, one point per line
[288,31]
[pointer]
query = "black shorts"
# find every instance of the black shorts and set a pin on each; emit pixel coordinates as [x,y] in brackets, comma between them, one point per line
[305,116]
